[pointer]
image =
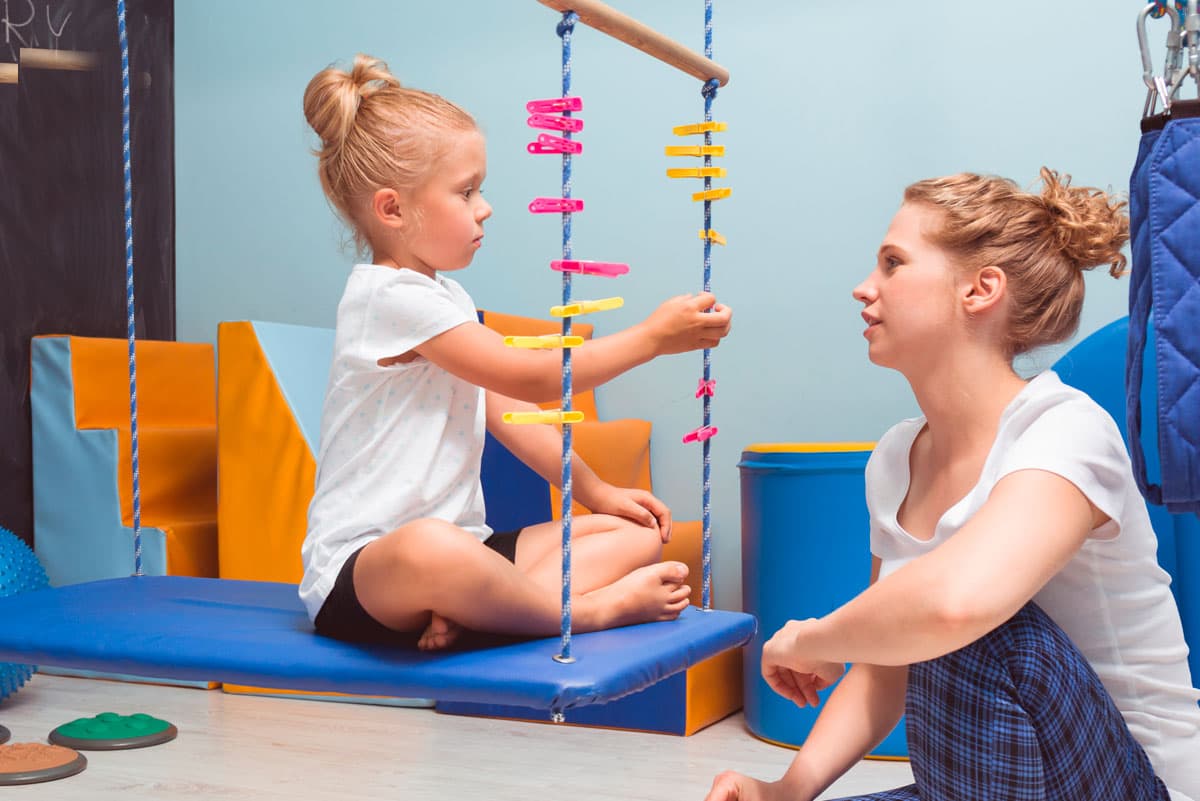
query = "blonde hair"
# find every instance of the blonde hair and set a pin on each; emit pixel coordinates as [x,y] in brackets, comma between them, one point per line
[1043,241]
[374,133]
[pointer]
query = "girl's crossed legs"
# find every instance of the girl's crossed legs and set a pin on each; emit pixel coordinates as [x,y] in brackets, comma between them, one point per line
[431,576]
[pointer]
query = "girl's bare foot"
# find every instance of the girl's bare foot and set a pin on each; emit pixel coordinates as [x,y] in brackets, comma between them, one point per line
[440,633]
[650,593]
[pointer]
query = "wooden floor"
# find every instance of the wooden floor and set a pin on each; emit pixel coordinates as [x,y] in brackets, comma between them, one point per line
[246,747]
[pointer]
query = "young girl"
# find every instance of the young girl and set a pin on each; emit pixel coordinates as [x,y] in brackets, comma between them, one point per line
[397,549]
[1016,610]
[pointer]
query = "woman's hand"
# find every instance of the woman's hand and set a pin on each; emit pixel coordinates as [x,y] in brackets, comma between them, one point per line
[792,673]
[632,504]
[731,786]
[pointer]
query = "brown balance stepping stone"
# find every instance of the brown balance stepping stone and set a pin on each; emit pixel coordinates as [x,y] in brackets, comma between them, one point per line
[28,763]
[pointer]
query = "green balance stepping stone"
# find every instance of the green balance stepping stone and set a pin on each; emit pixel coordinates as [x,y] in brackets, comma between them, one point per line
[109,731]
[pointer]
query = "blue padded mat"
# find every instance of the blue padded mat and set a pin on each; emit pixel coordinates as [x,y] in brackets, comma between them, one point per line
[257,633]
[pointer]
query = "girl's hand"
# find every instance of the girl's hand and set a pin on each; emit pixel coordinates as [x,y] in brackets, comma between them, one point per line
[731,786]
[685,323]
[791,673]
[632,504]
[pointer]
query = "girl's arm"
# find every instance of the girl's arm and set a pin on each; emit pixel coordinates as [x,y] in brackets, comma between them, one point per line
[1031,525]
[477,354]
[540,447]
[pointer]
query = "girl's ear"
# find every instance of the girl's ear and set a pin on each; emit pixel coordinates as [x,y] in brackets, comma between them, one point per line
[985,290]
[387,208]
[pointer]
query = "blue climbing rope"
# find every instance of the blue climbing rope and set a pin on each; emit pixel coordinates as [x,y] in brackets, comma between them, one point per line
[709,91]
[129,304]
[565,28]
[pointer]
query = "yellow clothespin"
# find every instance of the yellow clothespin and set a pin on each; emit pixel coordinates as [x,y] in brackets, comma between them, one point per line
[712,194]
[713,236]
[696,172]
[553,416]
[698,128]
[544,342]
[586,307]
[695,150]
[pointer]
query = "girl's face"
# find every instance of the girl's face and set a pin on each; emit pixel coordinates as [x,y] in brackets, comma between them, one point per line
[450,207]
[909,298]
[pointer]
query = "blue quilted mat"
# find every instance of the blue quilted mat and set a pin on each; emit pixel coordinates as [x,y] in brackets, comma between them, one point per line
[257,633]
[1164,293]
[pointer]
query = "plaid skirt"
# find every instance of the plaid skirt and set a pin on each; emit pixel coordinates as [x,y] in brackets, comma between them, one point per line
[1019,715]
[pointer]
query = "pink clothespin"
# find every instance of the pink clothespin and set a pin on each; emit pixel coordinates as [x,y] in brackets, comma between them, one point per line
[552,205]
[551,123]
[608,269]
[708,387]
[548,143]
[700,434]
[554,105]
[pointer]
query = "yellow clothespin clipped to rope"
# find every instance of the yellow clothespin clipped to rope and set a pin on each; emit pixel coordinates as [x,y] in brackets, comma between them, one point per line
[712,236]
[712,194]
[545,342]
[586,307]
[716,151]
[696,172]
[553,416]
[698,128]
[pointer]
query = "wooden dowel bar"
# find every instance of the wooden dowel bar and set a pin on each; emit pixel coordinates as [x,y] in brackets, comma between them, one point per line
[607,19]
[39,58]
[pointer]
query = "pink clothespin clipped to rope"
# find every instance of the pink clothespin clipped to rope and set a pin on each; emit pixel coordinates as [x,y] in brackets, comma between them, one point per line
[548,143]
[700,434]
[550,122]
[608,269]
[708,387]
[554,205]
[554,105]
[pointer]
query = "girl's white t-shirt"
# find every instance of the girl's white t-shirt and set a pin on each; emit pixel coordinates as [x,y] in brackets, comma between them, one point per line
[400,442]
[1112,599]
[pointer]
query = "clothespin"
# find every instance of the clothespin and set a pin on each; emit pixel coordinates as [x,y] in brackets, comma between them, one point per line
[708,388]
[551,205]
[552,416]
[700,434]
[554,104]
[712,194]
[696,172]
[608,269]
[550,122]
[548,143]
[586,307]
[698,128]
[712,236]
[544,342]
[715,151]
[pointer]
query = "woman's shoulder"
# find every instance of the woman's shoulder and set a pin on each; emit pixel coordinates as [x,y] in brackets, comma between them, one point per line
[1047,404]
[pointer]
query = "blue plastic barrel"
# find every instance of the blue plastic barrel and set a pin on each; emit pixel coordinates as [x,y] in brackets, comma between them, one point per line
[805,552]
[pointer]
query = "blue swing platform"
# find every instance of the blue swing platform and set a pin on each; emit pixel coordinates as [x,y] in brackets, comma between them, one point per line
[257,633]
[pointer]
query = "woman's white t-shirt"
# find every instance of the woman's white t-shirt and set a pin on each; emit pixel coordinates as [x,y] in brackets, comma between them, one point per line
[1112,599]
[400,442]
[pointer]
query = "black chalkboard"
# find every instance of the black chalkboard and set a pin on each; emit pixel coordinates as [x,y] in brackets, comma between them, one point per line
[62,229]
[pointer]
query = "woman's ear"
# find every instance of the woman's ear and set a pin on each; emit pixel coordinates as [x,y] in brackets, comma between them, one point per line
[985,291]
[387,208]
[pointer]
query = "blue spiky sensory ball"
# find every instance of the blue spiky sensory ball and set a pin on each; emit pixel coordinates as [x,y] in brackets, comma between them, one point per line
[20,571]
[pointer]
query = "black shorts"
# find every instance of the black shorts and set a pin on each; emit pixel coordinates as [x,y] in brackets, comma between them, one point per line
[342,617]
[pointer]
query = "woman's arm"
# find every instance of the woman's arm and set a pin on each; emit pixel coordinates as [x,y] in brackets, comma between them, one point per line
[1031,525]
[858,714]
[477,354]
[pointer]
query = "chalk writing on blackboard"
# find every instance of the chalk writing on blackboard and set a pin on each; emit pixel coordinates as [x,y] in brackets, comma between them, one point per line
[27,23]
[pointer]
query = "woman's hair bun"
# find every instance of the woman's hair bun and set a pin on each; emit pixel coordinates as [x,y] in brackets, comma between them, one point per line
[1088,226]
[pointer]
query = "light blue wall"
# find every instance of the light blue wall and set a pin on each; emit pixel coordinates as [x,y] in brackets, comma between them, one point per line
[833,109]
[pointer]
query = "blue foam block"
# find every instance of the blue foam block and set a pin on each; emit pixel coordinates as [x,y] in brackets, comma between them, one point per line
[257,633]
